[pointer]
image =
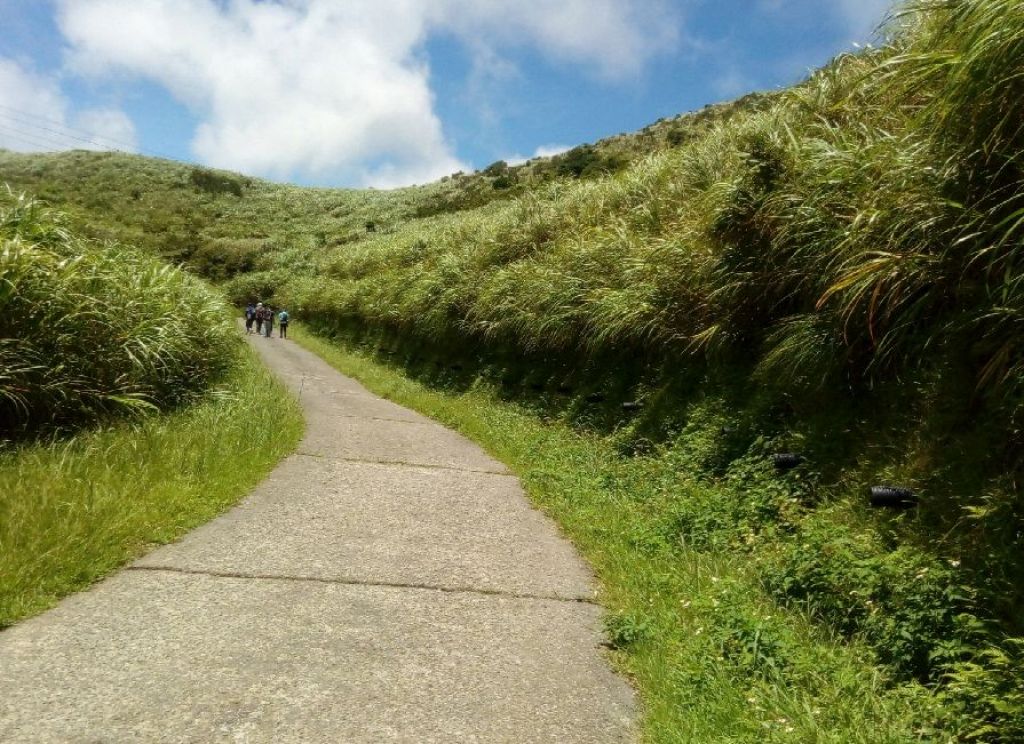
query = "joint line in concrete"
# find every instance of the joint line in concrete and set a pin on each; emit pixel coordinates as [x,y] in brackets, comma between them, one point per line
[359,582]
[402,463]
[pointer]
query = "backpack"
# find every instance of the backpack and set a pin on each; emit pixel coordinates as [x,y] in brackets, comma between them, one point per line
[283,317]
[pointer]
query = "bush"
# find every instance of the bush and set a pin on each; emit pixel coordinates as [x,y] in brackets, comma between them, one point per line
[213,182]
[910,606]
[498,168]
[90,330]
[223,259]
[577,161]
[988,692]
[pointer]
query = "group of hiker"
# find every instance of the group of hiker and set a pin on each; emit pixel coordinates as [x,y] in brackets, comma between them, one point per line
[262,317]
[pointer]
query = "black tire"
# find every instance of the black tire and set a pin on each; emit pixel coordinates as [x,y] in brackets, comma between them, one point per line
[787,460]
[892,497]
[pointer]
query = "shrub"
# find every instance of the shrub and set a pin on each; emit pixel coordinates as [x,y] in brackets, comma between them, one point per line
[223,259]
[90,330]
[498,168]
[578,162]
[625,630]
[910,606]
[213,182]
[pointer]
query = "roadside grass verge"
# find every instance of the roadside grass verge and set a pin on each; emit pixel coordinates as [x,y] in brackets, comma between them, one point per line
[712,655]
[72,510]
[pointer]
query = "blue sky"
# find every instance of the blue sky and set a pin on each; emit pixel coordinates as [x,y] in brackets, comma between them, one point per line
[389,92]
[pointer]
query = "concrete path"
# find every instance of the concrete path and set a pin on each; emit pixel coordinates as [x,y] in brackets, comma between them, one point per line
[389,582]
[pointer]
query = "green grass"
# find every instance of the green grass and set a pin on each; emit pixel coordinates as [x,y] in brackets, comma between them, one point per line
[73,510]
[713,655]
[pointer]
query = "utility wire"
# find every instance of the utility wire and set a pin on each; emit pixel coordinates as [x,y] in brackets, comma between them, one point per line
[14,120]
[39,138]
[82,135]
[25,119]
[16,140]
[53,141]
[32,139]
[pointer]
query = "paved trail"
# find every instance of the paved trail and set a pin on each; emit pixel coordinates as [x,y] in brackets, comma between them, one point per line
[389,582]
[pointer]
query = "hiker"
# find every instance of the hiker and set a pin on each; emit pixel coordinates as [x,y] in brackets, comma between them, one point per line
[250,318]
[259,318]
[282,319]
[268,321]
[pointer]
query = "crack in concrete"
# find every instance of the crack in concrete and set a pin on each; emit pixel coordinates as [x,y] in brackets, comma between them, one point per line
[362,582]
[388,420]
[402,463]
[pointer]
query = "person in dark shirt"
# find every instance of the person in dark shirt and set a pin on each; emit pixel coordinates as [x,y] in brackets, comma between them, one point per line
[268,321]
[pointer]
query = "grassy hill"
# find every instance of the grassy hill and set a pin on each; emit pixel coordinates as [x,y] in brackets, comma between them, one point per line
[834,272]
[222,224]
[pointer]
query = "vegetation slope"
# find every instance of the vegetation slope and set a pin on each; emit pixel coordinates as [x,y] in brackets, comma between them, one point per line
[832,271]
[129,412]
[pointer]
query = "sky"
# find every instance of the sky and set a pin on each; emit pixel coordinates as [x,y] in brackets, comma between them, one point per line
[388,93]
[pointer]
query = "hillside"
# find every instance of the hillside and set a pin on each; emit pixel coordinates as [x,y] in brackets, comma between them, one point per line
[223,223]
[759,312]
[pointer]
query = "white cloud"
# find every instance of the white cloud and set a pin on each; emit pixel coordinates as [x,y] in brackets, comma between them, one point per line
[110,125]
[862,17]
[858,18]
[614,37]
[36,116]
[549,151]
[732,83]
[336,89]
[544,151]
[27,97]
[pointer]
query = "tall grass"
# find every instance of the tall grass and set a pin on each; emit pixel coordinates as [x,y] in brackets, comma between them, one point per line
[864,199]
[95,340]
[75,508]
[91,330]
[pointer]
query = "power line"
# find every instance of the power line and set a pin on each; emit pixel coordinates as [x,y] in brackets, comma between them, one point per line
[32,140]
[56,140]
[25,142]
[31,120]
[15,120]
[42,136]
[103,142]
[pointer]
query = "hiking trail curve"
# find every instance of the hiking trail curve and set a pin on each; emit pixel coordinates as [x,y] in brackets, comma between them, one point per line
[388,582]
